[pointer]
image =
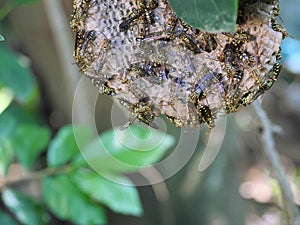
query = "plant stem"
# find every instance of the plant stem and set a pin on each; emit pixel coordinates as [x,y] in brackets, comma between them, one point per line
[34,175]
[62,39]
[271,153]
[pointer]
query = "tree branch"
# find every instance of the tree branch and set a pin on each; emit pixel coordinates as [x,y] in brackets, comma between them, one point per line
[271,153]
[34,175]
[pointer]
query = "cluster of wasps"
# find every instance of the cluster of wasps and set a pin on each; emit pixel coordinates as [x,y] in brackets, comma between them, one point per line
[171,68]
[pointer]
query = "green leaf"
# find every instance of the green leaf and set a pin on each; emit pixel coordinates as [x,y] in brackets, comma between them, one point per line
[7,127]
[27,210]
[69,203]
[21,2]
[2,38]
[16,76]
[6,97]
[126,151]
[209,15]
[10,5]
[22,115]
[64,145]
[118,197]
[6,154]
[29,142]
[6,219]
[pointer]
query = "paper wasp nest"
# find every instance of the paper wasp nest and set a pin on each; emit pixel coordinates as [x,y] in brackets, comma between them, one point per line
[154,63]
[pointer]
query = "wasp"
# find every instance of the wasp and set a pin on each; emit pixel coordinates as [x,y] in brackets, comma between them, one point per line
[249,61]
[155,71]
[171,25]
[190,43]
[80,12]
[179,122]
[231,96]
[136,13]
[105,46]
[169,30]
[193,115]
[148,9]
[89,36]
[232,103]
[276,10]
[206,116]
[79,39]
[102,84]
[106,89]
[238,76]
[243,57]
[82,41]
[230,106]
[248,98]
[231,99]
[279,54]
[271,79]
[201,86]
[130,19]
[146,18]
[228,55]
[153,4]
[240,38]
[142,110]
[269,82]
[279,28]
[228,59]
[209,41]
[276,70]
[179,81]
[143,29]
[164,72]
[267,85]
[149,17]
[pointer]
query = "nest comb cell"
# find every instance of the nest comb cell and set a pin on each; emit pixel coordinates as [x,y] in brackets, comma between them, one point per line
[140,52]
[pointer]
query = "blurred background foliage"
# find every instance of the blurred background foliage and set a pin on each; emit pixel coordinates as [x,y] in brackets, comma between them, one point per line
[45,180]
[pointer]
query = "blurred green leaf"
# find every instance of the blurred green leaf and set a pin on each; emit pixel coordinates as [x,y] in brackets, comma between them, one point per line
[27,210]
[126,151]
[11,4]
[16,76]
[29,142]
[64,145]
[6,154]
[68,202]
[209,15]
[22,115]
[6,219]
[2,38]
[7,127]
[6,98]
[118,197]
[21,2]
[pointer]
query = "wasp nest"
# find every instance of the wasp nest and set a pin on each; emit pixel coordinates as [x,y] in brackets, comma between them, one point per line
[154,63]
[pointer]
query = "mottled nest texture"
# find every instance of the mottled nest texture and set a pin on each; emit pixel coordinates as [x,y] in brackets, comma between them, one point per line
[154,63]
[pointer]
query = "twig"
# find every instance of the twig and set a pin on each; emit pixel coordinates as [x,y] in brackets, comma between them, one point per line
[34,175]
[272,155]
